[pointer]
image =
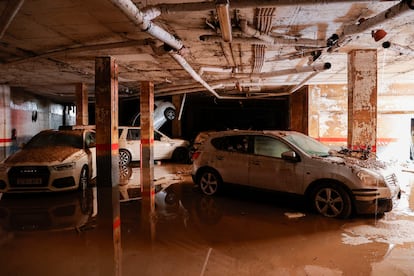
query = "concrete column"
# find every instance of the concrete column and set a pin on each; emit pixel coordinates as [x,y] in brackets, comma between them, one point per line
[5,122]
[82,115]
[299,110]
[147,157]
[362,99]
[107,161]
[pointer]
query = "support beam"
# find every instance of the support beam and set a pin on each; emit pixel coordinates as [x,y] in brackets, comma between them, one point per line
[82,114]
[362,99]
[147,158]
[107,159]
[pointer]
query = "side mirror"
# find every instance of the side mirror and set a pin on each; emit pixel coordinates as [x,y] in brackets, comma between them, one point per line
[290,156]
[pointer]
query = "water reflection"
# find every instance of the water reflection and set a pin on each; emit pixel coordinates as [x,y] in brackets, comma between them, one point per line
[48,212]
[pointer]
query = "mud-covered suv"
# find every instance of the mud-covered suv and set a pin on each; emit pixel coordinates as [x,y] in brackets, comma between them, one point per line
[335,185]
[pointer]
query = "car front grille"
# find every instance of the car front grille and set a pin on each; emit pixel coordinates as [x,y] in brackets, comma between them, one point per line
[391,180]
[29,176]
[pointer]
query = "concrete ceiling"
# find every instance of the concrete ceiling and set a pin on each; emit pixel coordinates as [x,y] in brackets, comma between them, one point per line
[47,46]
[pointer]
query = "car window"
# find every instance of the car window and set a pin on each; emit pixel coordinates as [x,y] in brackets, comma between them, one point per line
[236,143]
[90,139]
[268,146]
[134,134]
[157,136]
[308,144]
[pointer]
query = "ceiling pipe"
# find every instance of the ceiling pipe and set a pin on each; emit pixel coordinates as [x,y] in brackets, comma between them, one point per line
[267,39]
[9,13]
[304,42]
[365,24]
[196,77]
[240,4]
[402,50]
[305,69]
[143,20]
[220,84]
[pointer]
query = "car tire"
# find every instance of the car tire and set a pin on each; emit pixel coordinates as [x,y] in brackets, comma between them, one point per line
[169,113]
[331,201]
[84,178]
[181,155]
[209,182]
[124,157]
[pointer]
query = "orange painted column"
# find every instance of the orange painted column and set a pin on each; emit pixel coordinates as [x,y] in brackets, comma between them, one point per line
[362,99]
[147,157]
[82,115]
[299,110]
[107,159]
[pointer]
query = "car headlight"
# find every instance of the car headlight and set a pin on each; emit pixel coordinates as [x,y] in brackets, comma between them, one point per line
[370,179]
[64,167]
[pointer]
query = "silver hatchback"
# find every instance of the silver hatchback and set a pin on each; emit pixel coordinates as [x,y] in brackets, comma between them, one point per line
[336,185]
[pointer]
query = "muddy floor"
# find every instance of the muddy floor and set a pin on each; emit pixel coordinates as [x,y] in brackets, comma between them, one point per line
[241,232]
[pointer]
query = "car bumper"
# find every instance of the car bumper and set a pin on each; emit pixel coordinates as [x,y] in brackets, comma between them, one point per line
[376,201]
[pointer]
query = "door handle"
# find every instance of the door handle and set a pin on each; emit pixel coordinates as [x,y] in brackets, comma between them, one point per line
[219,157]
[255,162]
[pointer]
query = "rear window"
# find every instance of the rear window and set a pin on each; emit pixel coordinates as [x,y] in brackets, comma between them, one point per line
[236,143]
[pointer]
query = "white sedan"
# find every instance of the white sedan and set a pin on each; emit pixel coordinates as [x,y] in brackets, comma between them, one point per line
[163,111]
[53,160]
[164,146]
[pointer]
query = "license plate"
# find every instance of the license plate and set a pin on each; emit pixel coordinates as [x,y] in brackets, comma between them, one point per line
[29,181]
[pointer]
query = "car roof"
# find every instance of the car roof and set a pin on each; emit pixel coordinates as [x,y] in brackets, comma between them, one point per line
[279,133]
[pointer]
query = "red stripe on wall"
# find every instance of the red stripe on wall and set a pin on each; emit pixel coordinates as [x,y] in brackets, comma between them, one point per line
[331,139]
[344,140]
[107,147]
[5,140]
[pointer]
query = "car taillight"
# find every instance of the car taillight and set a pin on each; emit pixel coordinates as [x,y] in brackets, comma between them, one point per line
[195,155]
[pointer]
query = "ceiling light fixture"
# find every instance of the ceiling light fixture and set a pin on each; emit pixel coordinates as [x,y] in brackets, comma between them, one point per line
[222,8]
[378,34]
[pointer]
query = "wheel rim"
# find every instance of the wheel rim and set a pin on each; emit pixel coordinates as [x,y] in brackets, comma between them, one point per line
[83,180]
[170,114]
[123,158]
[329,202]
[209,183]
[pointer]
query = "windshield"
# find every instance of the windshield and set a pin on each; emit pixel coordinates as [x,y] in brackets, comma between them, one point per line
[308,144]
[56,138]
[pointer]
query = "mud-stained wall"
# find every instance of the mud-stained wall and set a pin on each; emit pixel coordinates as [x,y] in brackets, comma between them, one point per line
[23,115]
[328,117]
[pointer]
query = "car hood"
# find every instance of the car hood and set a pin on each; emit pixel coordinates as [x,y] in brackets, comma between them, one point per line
[180,142]
[356,163]
[42,155]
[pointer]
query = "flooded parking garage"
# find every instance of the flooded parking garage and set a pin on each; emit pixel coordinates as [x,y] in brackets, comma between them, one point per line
[244,233]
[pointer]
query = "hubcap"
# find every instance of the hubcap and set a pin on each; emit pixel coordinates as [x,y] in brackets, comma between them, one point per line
[329,202]
[208,183]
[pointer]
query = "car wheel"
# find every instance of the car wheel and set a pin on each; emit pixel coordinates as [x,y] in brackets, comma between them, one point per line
[169,113]
[332,201]
[84,178]
[209,182]
[181,155]
[124,157]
